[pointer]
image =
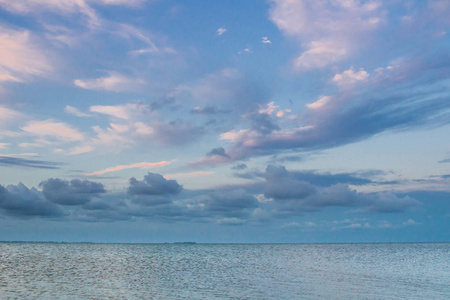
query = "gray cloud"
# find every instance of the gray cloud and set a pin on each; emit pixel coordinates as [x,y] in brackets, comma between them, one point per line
[286,193]
[280,184]
[154,185]
[220,151]
[405,96]
[74,192]
[209,110]
[10,161]
[19,201]
[232,203]
[295,193]
[239,167]
[177,132]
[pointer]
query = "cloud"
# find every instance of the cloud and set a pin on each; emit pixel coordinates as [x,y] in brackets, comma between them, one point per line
[281,185]
[208,110]
[220,151]
[11,161]
[19,201]
[228,90]
[235,203]
[408,94]
[297,192]
[154,185]
[126,111]
[114,82]
[142,165]
[265,40]
[387,202]
[330,31]
[411,222]
[75,111]
[9,115]
[350,77]
[239,167]
[81,149]
[221,31]
[57,130]
[64,7]
[189,175]
[20,56]
[74,192]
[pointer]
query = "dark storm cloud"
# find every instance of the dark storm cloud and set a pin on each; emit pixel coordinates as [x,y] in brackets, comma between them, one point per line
[153,185]
[10,161]
[220,151]
[74,192]
[19,201]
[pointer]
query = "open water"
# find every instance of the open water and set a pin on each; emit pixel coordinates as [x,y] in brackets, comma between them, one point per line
[224,271]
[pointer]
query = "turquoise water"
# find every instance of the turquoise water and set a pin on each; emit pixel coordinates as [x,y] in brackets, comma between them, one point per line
[225,271]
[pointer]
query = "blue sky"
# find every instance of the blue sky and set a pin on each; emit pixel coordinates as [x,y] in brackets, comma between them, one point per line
[224,121]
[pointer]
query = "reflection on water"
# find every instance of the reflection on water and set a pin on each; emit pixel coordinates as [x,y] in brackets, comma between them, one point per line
[225,271]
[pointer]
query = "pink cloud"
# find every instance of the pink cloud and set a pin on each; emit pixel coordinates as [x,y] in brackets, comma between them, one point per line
[142,165]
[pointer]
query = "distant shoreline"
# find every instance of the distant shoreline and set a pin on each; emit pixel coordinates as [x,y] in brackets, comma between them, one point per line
[218,243]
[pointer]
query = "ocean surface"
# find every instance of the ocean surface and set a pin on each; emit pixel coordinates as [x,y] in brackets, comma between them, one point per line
[224,271]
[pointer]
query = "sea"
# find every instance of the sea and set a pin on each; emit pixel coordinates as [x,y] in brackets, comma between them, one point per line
[224,271]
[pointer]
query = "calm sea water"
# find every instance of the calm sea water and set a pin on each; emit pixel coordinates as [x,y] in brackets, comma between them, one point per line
[225,271]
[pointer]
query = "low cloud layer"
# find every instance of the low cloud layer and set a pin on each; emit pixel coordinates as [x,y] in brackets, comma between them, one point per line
[282,194]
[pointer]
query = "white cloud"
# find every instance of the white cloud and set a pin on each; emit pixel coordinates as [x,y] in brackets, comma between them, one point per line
[221,31]
[7,114]
[411,222]
[57,130]
[329,30]
[274,109]
[114,82]
[75,111]
[321,53]
[265,40]
[63,6]
[350,77]
[142,165]
[126,111]
[81,149]
[20,57]
[320,103]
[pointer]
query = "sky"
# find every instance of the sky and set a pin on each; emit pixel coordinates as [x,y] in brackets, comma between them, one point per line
[287,121]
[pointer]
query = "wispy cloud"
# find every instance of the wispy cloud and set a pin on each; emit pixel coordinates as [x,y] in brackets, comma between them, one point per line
[114,82]
[20,57]
[324,28]
[57,130]
[221,31]
[11,161]
[142,165]
[75,111]
[265,40]
[189,175]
